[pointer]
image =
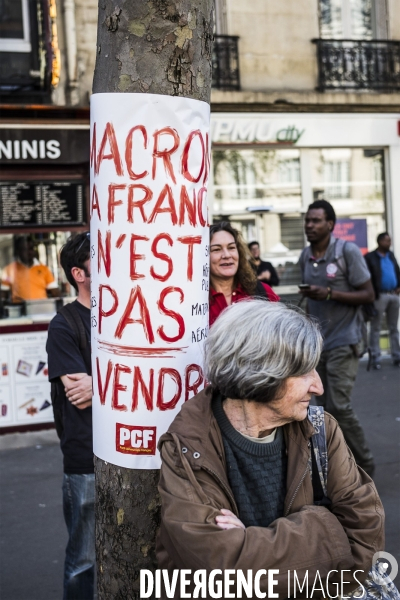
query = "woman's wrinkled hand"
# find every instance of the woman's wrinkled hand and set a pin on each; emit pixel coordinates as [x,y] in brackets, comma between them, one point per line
[228,520]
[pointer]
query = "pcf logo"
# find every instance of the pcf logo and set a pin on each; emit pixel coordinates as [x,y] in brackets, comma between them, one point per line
[133,439]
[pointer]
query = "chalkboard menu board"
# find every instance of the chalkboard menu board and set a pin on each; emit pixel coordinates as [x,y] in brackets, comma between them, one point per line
[42,204]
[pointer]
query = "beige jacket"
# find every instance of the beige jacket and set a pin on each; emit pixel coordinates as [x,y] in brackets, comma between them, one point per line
[194,487]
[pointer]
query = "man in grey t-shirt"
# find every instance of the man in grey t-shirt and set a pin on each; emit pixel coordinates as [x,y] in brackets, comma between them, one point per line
[339,283]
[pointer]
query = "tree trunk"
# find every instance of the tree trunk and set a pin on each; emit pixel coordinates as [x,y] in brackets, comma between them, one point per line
[159,47]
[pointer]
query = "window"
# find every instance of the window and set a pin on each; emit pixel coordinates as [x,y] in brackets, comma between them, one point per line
[352,179]
[336,179]
[346,19]
[14,26]
[256,177]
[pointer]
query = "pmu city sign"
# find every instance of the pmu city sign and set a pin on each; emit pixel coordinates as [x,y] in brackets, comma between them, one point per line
[253,130]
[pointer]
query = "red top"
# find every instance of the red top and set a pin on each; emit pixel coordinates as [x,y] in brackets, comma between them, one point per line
[218,300]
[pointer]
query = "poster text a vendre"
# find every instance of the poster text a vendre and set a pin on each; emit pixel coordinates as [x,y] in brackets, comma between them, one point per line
[150,165]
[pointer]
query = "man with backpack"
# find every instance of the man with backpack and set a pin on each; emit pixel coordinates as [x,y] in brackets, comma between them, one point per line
[68,348]
[336,283]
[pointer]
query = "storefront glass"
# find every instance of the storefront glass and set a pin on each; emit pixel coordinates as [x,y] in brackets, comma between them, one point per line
[31,277]
[265,193]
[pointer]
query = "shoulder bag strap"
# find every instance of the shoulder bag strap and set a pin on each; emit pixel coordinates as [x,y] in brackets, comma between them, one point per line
[260,290]
[319,456]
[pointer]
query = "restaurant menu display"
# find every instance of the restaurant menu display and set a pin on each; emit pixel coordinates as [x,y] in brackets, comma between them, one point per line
[24,385]
[42,204]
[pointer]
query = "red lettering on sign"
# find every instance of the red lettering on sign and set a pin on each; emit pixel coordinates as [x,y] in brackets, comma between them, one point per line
[186,206]
[132,203]
[134,257]
[104,254]
[162,256]
[193,387]
[109,136]
[165,154]
[108,313]
[166,192]
[93,159]
[112,202]
[103,391]
[202,220]
[207,161]
[120,240]
[171,313]
[190,241]
[95,202]
[185,156]
[118,387]
[147,392]
[174,375]
[128,151]
[136,295]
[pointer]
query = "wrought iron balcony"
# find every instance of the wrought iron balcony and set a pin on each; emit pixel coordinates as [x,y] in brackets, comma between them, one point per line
[225,63]
[358,65]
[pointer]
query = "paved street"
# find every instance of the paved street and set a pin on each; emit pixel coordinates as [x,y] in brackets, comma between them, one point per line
[33,535]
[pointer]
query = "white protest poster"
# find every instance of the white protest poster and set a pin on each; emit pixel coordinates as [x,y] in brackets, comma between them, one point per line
[150,162]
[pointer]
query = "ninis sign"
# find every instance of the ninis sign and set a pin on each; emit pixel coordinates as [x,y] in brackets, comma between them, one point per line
[33,146]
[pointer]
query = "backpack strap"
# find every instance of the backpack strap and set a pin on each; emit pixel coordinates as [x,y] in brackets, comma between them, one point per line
[302,260]
[74,320]
[319,456]
[340,253]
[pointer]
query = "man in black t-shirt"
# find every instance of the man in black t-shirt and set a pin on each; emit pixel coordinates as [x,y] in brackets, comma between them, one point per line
[265,270]
[68,348]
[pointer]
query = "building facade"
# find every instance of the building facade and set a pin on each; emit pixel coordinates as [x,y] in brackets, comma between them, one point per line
[306,105]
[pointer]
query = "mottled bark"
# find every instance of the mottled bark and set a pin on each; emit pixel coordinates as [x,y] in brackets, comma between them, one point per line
[158,47]
[127,517]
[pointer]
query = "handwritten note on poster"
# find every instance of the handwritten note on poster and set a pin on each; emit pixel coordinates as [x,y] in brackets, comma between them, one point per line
[150,163]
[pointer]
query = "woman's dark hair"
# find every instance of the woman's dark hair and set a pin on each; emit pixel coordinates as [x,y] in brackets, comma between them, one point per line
[245,275]
[74,254]
[327,207]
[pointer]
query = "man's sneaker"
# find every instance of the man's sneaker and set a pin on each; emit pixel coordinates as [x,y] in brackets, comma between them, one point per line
[377,366]
[396,363]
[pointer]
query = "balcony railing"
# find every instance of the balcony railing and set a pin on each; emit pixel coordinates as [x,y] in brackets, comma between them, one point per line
[225,63]
[358,65]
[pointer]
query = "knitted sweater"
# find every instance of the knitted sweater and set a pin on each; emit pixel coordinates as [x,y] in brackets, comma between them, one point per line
[256,472]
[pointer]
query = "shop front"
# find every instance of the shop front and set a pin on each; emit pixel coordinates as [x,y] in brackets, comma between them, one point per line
[267,168]
[44,159]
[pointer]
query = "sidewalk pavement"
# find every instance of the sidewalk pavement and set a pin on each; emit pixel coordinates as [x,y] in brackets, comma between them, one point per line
[33,534]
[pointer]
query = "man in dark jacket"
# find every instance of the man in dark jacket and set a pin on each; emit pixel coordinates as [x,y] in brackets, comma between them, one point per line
[265,270]
[385,275]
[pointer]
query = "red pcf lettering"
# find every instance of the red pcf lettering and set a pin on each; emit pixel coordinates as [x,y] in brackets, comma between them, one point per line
[132,439]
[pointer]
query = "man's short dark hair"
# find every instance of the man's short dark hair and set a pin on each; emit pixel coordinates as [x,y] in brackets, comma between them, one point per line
[74,254]
[382,235]
[327,207]
[254,243]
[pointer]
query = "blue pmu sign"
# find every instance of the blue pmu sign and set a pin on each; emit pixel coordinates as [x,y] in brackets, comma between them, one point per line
[353,230]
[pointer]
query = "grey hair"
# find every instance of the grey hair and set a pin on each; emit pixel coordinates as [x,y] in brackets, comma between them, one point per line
[255,345]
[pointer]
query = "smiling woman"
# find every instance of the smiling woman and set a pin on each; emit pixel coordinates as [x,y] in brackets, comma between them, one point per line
[231,277]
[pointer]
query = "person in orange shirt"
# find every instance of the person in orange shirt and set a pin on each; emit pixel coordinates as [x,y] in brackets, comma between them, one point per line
[26,278]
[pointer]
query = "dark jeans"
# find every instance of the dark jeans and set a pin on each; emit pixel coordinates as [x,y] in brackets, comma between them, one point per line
[338,370]
[78,504]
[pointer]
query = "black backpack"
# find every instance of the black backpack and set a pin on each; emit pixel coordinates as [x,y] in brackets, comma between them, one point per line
[74,320]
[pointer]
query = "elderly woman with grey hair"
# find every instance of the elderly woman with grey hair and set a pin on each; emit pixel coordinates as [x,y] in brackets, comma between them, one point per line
[236,479]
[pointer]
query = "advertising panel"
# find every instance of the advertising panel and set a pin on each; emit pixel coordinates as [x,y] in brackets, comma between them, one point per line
[150,164]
